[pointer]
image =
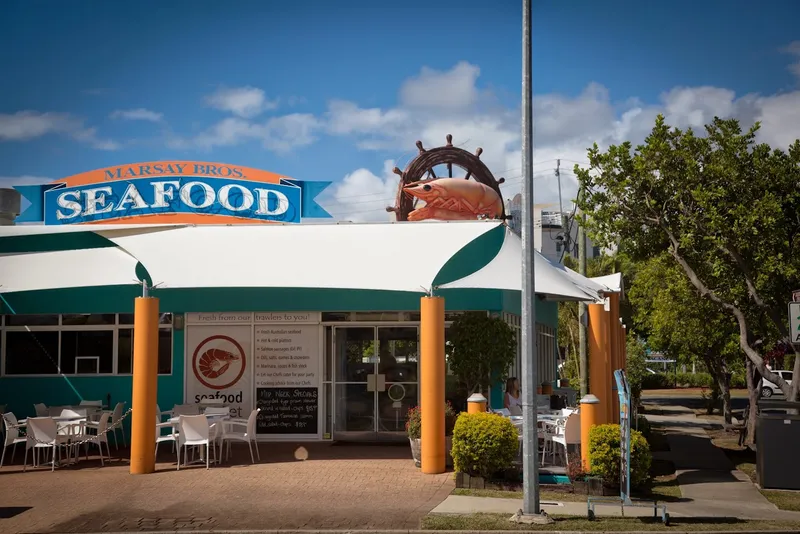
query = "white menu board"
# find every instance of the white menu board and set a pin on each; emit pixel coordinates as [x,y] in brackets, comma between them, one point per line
[286,356]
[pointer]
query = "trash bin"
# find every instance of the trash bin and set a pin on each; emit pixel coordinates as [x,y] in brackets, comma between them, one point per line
[777,436]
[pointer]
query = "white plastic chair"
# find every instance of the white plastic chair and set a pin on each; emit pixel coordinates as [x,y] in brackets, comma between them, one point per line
[43,434]
[568,434]
[194,432]
[248,435]
[92,403]
[161,438]
[12,436]
[99,437]
[41,410]
[185,409]
[116,416]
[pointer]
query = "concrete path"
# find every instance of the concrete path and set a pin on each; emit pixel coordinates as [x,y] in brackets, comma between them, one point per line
[709,482]
[462,504]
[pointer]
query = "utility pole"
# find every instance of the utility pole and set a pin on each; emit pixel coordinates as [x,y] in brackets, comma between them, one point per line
[582,318]
[530,443]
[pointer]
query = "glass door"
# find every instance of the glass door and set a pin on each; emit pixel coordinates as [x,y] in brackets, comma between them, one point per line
[376,381]
[398,370]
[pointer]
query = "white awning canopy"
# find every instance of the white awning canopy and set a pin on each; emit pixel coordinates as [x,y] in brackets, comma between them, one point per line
[392,257]
[66,269]
[505,272]
[612,281]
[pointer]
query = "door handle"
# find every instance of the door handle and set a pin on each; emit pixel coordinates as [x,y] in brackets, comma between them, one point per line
[371,382]
[381,385]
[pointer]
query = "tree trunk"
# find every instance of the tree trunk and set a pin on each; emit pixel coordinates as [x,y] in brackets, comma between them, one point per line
[752,395]
[725,389]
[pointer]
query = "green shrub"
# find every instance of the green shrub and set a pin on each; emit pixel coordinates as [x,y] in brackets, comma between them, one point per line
[604,455]
[414,421]
[643,426]
[658,381]
[483,444]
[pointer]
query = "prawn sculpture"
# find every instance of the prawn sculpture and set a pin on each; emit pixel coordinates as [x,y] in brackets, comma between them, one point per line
[215,362]
[454,199]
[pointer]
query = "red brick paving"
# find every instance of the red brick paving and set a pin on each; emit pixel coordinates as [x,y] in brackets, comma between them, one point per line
[337,487]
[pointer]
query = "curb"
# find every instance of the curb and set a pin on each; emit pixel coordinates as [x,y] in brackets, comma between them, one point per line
[368,531]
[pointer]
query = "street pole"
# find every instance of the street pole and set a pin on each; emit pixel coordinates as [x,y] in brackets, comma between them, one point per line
[530,469]
[582,319]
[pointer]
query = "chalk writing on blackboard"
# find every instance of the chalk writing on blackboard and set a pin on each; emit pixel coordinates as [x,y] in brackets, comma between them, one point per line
[287,410]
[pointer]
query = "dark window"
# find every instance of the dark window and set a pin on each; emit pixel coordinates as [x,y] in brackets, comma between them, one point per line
[787,375]
[127,318]
[31,353]
[125,351]
[88,319]
[595,252]
[86,344]
[31,320]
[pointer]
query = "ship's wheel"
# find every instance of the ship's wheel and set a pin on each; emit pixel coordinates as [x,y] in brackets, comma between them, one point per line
[421,170]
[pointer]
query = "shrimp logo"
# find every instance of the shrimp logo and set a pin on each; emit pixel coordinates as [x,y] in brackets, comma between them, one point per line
[218,362]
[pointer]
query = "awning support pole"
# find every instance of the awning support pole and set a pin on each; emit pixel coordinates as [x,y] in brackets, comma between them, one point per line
[145,383]
[432,384]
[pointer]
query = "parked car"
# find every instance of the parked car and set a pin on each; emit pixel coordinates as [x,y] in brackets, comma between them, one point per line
[769,389]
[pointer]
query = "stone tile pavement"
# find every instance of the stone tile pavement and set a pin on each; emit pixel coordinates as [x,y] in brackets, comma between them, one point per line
[336,487]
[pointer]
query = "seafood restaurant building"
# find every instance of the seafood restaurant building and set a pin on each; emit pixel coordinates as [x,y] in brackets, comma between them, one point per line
[315,322]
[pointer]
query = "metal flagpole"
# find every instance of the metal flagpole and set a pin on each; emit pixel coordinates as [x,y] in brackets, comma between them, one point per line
[530,468]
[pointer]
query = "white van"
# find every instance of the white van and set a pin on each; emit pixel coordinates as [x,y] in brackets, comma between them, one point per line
[769,389]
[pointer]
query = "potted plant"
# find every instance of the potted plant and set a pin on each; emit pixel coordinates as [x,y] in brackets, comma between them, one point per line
[414,430]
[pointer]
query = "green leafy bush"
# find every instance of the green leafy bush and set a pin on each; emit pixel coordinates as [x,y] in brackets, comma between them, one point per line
[414,421]
[643,426]
[658,381]
[483,444]
[604,452]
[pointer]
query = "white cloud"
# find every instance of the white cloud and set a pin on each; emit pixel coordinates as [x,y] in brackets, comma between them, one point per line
[793,48]
[139,114]
[27,125]
[245,102]
[279,134]
[433,104]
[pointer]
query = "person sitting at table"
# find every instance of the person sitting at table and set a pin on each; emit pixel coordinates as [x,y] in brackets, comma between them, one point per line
[512,401]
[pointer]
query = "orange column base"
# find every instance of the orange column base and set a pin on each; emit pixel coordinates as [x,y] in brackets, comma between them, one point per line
[145,382]
[432,378]
[476,403]
[590,409]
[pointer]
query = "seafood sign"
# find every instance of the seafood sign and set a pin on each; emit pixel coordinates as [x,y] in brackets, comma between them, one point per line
[454,199]
[218,366]
[215,362]
[173,192]
[212,365]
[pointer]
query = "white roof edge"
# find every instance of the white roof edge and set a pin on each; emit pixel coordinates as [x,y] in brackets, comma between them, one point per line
[613,282]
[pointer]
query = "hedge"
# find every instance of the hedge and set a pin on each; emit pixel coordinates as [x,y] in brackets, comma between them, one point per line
[686,380]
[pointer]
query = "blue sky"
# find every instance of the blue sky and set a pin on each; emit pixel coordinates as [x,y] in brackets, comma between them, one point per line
[91,84]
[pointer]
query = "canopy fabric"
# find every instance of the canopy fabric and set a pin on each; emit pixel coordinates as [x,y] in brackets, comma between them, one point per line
[66,269]
[380,256]
[42,229]
[612,281]
[505,272]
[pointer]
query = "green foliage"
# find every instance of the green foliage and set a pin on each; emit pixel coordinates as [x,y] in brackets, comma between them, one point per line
[643,426]
[604,455]
[723,207]
[636,366]
[481,349]
[687,380]
[483,444]
[414,421]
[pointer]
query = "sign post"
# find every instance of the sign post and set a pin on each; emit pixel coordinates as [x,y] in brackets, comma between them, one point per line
[794,319]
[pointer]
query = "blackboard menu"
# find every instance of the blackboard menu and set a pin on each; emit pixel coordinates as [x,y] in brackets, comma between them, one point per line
[287,410]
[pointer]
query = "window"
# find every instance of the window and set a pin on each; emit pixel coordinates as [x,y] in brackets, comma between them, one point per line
[75,344]
[787,375]
[87,343]
[31,353]
[125,351]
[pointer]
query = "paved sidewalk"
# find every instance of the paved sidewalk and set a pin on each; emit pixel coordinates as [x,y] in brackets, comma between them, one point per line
[462,504]
[708,481]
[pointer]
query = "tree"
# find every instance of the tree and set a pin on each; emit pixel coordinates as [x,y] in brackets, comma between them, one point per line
[481,349]
[680,322]
[725,208]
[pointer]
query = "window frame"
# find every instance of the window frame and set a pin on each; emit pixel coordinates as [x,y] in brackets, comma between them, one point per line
[115,328]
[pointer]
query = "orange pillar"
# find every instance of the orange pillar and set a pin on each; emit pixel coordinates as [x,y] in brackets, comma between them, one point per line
[145,383]
[590,410]
[598,358]
[432,377]
[614,324]
[476,403]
